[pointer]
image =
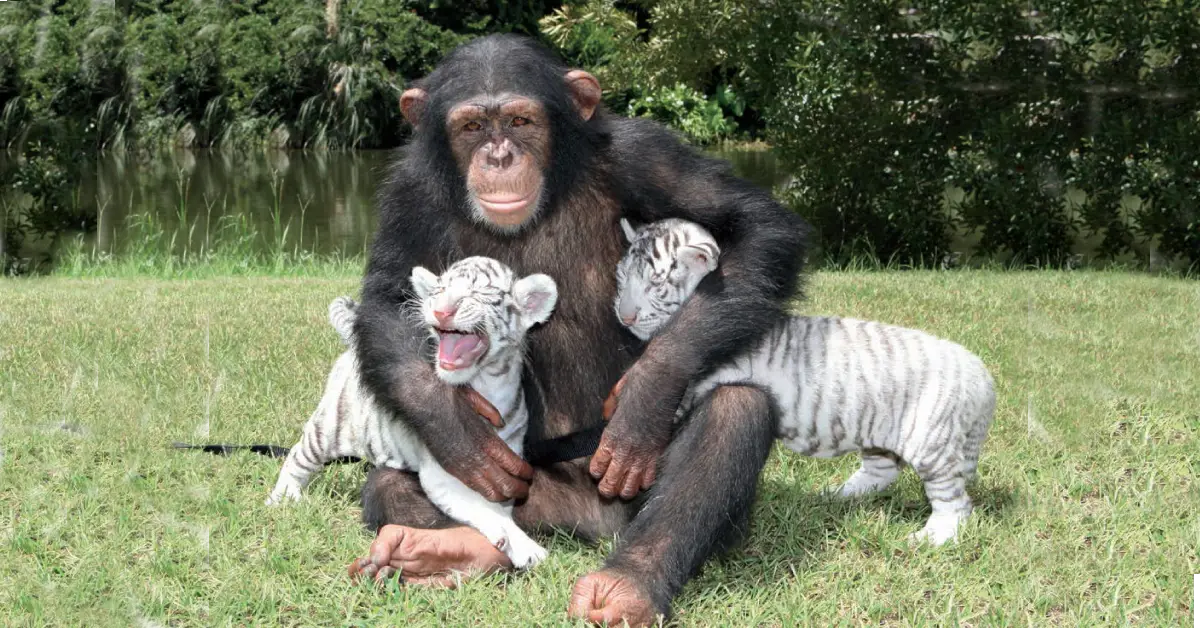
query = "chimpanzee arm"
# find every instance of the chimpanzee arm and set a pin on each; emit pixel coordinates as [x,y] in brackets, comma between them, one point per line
[389,346]
[762,252]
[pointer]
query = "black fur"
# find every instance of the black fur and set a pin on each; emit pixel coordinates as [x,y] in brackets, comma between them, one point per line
[602,169]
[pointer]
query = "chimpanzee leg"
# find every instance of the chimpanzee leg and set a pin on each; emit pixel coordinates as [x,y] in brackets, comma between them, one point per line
[415,538]
[701,503]
[564,496]
[395,497]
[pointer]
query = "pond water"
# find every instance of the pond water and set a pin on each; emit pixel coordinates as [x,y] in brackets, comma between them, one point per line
[309,201]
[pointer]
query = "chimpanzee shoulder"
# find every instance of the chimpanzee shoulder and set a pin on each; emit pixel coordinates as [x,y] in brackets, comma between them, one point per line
[659,174]
[414,229]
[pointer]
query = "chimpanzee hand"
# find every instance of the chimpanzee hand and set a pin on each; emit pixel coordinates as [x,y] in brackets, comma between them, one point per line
[477,456]
[638,432]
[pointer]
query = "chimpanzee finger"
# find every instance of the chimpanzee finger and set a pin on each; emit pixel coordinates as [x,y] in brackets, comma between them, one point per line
[508,460]
[610,403]
[480,482]
[506,486]
[483,407]
[362,569]
[383,574]
[632,484]
[614,478]
[648,478]
[610,406]
[601,459]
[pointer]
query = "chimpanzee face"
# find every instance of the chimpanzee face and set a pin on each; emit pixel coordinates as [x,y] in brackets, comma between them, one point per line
[502,146]
[501,142]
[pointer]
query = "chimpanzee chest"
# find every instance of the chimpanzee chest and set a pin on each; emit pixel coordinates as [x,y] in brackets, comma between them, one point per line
[582,350]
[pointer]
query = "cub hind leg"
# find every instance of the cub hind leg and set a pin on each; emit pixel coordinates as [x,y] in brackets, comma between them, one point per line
[303,461]
[946,489]
[977,436]
[879,469]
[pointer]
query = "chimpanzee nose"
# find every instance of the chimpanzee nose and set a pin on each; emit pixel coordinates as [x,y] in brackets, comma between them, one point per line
[445,317]
[500,155]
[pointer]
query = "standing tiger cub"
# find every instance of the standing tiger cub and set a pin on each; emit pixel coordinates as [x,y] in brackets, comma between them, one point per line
[893,394]
[477,313]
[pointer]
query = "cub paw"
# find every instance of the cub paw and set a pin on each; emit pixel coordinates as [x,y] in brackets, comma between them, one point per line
[525,553]
[282,496]
[939,530]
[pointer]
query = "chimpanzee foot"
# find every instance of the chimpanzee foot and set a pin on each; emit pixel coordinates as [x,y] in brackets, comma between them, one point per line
[610,598]
[431,557]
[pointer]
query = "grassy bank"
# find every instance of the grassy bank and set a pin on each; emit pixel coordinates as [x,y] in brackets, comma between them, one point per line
[1086,502]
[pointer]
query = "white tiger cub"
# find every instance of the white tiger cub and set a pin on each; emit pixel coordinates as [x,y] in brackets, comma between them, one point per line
[478,314]
[894,394]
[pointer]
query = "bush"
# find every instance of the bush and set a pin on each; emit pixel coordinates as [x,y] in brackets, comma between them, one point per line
[1045,126]
[701,119]
[603,37]
[212,73]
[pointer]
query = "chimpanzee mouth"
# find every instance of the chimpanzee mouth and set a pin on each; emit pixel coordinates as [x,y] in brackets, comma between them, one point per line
[458,349]
[505,203]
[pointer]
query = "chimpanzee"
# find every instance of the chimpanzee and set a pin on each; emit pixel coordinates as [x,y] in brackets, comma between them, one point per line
[513,157]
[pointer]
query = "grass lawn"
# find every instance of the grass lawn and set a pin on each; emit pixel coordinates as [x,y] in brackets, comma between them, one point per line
[1086,505]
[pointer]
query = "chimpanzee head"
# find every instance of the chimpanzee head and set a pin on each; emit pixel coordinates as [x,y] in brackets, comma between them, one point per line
[506,125]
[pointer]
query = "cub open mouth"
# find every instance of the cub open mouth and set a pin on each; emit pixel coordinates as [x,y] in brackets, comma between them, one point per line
[459,350]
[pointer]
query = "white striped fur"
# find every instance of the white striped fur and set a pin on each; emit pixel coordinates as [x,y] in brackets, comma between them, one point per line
[341,316]
[348,421]
[895,395]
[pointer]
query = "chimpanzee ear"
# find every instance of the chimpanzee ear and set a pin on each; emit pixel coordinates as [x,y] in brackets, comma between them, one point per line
[700,256]
[585,91]
[424,282]
[412,104]
[536,295]
[630,232]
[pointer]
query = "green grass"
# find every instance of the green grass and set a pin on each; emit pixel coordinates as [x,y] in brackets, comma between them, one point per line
[1087,504]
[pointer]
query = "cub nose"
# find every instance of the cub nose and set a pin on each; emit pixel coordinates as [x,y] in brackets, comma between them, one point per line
[629,319]
[445,317]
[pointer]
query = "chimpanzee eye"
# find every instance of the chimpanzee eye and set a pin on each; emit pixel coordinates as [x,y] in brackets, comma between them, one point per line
[519,121]
[472,126]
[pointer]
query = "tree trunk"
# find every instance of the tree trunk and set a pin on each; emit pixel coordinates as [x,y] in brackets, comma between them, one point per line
[331,18]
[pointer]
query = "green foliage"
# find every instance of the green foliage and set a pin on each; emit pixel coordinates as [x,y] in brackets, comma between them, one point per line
[204,74]
[701,119]
[597,35]
[603,36]
[1033,127]
[38,198]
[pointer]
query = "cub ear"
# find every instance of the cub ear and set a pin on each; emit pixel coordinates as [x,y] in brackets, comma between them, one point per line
[700,257]
[629,231]
[536,295]
[423,282]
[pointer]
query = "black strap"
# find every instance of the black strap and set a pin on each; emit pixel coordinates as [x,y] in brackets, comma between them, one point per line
[579,444]
[571,446]
[273,451]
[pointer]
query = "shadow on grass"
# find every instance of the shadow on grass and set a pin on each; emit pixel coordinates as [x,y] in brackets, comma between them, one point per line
[795,529]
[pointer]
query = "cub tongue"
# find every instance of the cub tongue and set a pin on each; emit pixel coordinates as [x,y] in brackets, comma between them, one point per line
[454,349]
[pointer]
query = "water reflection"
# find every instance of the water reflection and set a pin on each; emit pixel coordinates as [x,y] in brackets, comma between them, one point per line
[321,202]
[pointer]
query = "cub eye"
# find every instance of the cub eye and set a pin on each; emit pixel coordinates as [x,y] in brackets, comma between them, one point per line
[519,121]
[472,126]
